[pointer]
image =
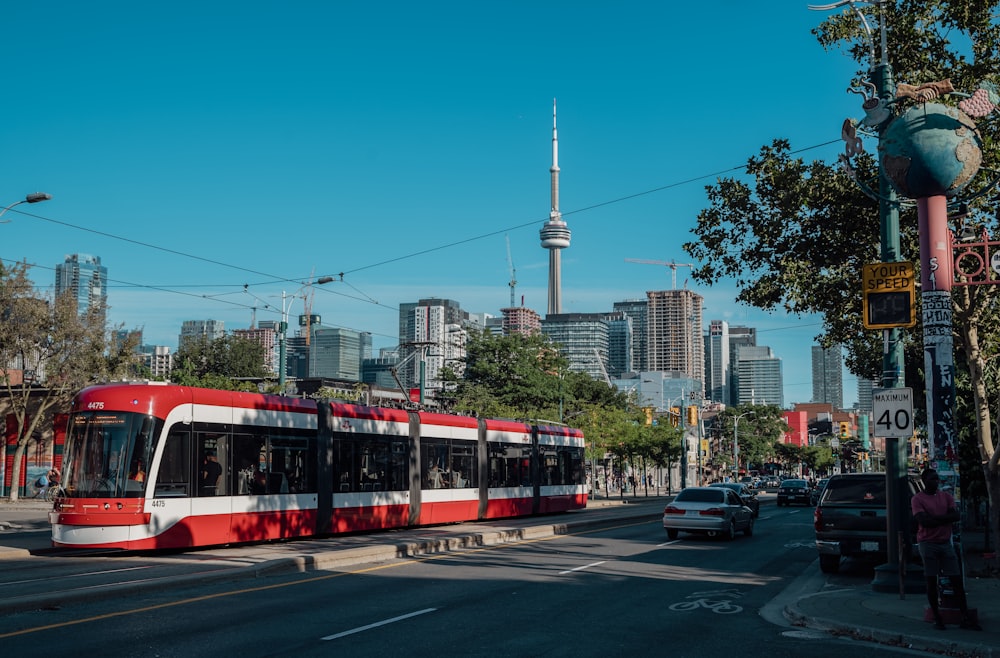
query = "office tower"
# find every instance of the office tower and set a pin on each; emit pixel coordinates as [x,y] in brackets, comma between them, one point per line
[520,320]
[757,377]
[158,359]
[335,353]
[717,363]
[378,370]
[209,329]
[674,328]
[431,331]
[619,344]
[83,276]
[865,388]
[582,339]
[827,376]
[636,309]
[555,234]
[739,336]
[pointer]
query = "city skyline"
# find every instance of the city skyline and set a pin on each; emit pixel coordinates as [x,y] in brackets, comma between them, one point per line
[279,147]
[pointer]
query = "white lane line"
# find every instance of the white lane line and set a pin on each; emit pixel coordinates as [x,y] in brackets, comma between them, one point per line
[378,623]
[586,566]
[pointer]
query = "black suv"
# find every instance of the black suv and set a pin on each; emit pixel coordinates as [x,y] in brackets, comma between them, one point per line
[850,517]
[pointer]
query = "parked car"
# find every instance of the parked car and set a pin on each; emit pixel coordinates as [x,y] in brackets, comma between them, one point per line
[746,494]
[850,518]
[709,510]
[793,492]
[817,491]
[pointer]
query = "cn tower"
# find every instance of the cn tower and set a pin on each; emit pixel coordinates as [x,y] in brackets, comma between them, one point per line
[555,234]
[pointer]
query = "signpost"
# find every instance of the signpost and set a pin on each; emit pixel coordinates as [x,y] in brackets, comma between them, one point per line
[889,296]
[893,411]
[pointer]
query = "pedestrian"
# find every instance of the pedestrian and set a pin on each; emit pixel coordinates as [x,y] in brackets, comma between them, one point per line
[935,512]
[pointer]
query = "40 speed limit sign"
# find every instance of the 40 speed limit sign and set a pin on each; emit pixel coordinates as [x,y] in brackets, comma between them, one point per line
[893,411]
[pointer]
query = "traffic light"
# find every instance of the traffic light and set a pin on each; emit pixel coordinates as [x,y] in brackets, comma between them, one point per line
[675,416]
[692,416]
[845,429]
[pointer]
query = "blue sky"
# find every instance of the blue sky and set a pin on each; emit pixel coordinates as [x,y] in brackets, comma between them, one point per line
[200,147]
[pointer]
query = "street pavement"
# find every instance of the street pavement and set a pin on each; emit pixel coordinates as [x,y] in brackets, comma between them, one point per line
[856,611]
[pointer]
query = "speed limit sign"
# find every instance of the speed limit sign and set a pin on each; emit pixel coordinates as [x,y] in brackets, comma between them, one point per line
[893,411]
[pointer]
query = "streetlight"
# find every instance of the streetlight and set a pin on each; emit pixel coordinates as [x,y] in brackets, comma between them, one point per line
[283,329]
[736,443]
[34,197]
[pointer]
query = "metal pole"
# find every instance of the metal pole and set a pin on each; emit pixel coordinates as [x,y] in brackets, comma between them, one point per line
[282,330]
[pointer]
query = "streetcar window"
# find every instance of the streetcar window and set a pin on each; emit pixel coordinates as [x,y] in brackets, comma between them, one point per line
[448,464]
[509,465]
[107,454]
[370,463]
[213,450]
[174,476]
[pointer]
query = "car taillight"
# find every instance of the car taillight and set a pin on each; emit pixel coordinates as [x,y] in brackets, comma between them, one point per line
[670,509]
[818,519]
[713,511]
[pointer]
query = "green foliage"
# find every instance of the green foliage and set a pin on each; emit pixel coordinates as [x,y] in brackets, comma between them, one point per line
[759,431]
[219,363]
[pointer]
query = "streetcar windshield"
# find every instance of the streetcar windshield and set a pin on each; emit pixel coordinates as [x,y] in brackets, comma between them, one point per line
[108,454]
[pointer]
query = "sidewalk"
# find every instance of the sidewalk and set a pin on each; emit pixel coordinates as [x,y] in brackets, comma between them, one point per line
[862,613]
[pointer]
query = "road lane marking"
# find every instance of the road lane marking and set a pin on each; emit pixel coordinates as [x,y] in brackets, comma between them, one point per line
[377,624]
[586,566]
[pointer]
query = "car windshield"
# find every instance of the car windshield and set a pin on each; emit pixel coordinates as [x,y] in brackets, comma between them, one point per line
[794,483]
[699,496]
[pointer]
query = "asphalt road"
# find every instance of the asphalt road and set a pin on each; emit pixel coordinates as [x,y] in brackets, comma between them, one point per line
[617,589]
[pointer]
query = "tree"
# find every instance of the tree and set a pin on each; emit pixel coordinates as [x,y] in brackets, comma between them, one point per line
[760,430]
[796,236]
[48,352]
[219,363]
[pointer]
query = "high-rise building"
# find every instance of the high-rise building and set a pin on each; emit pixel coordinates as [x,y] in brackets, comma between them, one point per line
[827,376]
[865,402]
[582,339]
[267,338]
[555,234]
[757,377]
[210,329]
[158,359]
[739,336]
[636,310]
[520,320]
[619,344]
[718,381]
[433,331]
[674,328]
[335,353]
[83,276]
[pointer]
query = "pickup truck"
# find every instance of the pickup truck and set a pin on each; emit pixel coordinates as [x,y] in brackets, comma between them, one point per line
[850,518]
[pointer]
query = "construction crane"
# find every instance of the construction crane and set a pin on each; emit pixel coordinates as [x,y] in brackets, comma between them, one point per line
[673,265]
[513,275]
[307,302]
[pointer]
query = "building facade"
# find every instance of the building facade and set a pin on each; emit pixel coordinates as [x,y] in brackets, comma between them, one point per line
[192,329]
[758,377]
[827,375]
[582,339]
[431,331]
[520,320]
[675,338]
[335,353]
[718,382]
[83,276]
[636,309]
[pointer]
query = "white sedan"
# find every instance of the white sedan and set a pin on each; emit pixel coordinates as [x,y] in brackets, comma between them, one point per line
[709,510]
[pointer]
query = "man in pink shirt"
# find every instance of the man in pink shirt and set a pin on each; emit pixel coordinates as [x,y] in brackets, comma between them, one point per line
[935,512]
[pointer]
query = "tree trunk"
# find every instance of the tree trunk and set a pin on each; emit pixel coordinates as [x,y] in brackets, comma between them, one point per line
[15,471]
[969,330]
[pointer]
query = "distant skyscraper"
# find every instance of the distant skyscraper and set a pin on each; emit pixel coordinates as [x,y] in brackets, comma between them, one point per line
[335,353]
[267,338]
[435,330]
[676,341]
[827,376]
[717,363]
[619,344]
[555,234]
[520,320]
[865,402]
[85,278]
[637,309]
[210,329]
[583,339]
[757,377]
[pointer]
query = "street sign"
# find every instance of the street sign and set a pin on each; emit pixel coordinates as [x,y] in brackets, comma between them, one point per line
[893,411]
[889,295]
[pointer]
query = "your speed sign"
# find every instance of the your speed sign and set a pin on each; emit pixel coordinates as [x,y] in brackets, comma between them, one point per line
[893,411]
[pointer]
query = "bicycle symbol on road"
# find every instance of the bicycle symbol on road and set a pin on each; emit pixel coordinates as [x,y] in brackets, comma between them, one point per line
[718,601]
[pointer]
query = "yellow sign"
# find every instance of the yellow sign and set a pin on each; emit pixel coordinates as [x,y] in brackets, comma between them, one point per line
[889,295]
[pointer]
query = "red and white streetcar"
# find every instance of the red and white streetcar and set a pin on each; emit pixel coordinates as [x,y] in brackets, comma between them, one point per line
[156,466]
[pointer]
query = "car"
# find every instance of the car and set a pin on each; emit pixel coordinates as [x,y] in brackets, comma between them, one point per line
[793,491]
[817,491]
[713,511]
[771,482]
[746,494]
[748,481]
